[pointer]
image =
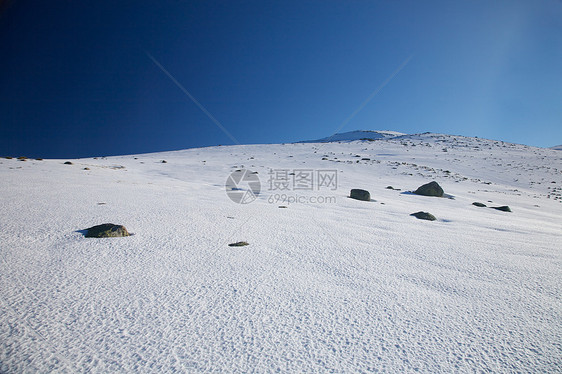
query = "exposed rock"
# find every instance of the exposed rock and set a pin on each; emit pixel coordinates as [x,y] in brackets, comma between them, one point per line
[504,208]
[430,189]
[389,187]
[359,194]
[481,205]
[424,215]
[106,230]
[68,163]
[86,169]
[164,162]
[238,244]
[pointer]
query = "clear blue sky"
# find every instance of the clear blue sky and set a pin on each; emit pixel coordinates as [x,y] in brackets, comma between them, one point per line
[76,80]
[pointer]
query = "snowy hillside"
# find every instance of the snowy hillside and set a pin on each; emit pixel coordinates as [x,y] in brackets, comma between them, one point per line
[326,284]
[357,135]
[557,147]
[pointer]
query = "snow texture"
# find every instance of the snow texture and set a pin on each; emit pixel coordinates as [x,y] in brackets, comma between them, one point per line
[341,286]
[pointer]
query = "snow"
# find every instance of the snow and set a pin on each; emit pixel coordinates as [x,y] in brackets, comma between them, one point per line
[340,286]
[557,147]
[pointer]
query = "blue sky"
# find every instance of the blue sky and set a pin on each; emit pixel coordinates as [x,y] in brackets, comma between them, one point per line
[76,79]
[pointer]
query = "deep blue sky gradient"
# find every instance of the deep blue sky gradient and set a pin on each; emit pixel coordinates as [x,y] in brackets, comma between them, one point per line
[76,81]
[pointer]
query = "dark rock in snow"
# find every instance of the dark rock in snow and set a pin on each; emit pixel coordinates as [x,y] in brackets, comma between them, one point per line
[358,194]
[424,215]
[68,163]
[481,205]
[106,230]
[238,244]
[430,189]
[504,208]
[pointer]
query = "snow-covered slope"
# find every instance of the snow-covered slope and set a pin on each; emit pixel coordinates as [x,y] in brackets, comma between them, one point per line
[328,284]
[357,135]
[557,147]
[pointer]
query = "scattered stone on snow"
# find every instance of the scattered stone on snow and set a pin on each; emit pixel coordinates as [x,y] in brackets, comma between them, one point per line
[238,244]
[106,230]
[430,189]
[68,163]
[504,208]
[481,205]
[359,194]
[424,215]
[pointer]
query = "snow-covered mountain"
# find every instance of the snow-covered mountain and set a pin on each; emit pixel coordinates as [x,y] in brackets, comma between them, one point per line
[357,135]
[557,147]
[326,284]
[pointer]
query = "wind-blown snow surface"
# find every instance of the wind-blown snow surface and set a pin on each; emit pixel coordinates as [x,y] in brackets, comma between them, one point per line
[344,286]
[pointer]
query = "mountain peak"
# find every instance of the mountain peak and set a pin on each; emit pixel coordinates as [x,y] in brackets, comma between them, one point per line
[357,135]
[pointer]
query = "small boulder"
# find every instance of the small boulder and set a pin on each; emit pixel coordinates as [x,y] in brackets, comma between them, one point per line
[359,194]
[430,189]
[106,230]
[68,163]
[424,215]
[481,205]
[238,244]
[504,208]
